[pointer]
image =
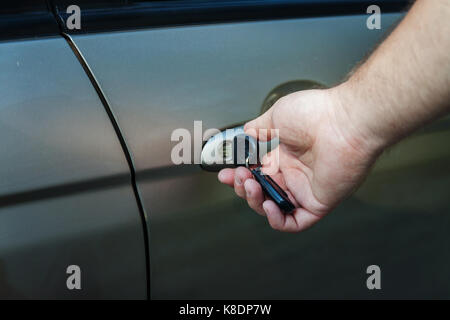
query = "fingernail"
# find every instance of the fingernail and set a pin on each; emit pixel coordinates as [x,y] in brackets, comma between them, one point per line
[249,193]
[238,181]
[220,175]
[266,210]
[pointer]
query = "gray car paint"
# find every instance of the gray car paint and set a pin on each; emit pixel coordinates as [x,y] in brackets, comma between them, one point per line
[162,79]
[65,193]
[204,241]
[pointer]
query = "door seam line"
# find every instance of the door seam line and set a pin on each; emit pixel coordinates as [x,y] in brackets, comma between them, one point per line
[125,149]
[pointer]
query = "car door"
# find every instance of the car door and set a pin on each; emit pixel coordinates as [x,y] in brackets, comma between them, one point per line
[70,226]
[164,65]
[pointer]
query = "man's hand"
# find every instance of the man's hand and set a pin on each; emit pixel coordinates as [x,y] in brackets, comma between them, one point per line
[321,160]
[330,138]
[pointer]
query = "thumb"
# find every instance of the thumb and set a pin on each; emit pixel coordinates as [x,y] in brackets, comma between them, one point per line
[261,128]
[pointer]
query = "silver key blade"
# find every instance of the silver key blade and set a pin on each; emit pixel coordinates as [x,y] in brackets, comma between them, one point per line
[229,149]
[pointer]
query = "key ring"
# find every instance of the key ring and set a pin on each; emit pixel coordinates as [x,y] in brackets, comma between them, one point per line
[247,163]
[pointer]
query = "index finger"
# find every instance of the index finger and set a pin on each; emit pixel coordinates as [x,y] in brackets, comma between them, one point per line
[226,176]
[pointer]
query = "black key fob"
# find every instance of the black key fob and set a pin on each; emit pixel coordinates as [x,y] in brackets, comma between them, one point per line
[273,190]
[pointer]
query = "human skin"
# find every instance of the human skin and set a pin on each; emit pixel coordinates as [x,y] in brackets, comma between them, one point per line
[329,139]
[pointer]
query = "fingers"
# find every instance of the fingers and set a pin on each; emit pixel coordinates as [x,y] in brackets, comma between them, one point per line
[247,188]
[240,175]
[235,178]
[276,218]
[271,162]
[296,221]
[226,176]
[254,127]
[244,187]
[255,196]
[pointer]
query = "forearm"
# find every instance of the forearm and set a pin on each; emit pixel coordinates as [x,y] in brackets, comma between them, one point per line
[406,81]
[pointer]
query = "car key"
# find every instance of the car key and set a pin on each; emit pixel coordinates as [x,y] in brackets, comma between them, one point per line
[234,148]
[273,190]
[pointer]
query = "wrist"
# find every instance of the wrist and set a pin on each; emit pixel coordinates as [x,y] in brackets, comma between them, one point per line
[352,116]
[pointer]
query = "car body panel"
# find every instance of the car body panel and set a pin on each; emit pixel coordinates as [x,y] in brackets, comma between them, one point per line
[204,241]
[48,113]
[66,194]
[97,230]
[166,78]
[65,188]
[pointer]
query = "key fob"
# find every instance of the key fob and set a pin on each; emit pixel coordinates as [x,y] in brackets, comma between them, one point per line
[273,190]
